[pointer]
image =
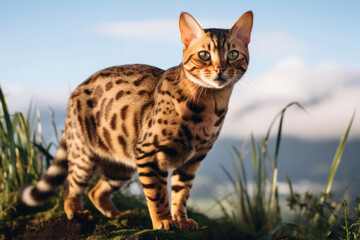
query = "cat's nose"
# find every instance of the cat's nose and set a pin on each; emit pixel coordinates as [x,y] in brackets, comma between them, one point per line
[219,69]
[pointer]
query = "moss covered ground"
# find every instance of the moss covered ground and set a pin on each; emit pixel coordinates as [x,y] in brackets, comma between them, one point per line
[49,222]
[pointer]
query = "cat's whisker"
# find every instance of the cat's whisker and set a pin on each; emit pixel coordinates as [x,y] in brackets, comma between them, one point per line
[195,93]
[201,91]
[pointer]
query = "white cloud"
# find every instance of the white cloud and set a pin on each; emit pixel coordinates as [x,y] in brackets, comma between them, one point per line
[15,96]
[18,97]
[329,92]
[163,30]
[12,89]
[159,30]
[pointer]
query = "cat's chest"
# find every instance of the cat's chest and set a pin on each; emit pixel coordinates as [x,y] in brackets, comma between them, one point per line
[186,127]
[202,124]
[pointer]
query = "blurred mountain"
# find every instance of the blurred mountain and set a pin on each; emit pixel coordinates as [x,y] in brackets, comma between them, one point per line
[306,161]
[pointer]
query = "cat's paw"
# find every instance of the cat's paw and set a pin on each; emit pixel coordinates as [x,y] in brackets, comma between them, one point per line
[167,224]
[187,224]
[80,215]
[125,215]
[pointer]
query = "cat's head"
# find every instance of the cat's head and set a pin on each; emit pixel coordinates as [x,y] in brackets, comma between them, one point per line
[214,58]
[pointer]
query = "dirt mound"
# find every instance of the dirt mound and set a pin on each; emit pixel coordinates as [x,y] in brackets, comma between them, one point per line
[61,228]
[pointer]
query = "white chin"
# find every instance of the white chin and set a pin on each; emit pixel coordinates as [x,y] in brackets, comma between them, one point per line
[209,83]
[217,84]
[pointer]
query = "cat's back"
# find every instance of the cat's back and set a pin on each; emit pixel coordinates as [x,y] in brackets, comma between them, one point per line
[114,85]
[129,77]
[108,106]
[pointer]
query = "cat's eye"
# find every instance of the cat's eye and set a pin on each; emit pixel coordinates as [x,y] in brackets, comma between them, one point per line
[232,55]
[204,55]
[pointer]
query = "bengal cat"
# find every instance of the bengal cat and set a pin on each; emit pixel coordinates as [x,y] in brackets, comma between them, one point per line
[140,118]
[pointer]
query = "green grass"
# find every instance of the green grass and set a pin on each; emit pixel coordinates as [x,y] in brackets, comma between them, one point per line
[23,153]
[316,214]
[261,211]
[313,215]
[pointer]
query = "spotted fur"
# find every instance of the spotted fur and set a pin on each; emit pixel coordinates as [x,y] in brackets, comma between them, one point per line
[140,118]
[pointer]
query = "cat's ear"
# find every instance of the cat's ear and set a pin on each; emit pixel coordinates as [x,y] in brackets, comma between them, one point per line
[190,30]
[242,28]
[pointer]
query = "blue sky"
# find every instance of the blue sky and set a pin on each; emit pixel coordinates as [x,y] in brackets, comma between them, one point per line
[306,51]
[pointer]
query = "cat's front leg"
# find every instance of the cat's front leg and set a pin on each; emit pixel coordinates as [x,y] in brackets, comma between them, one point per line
[153,179]
[181,183]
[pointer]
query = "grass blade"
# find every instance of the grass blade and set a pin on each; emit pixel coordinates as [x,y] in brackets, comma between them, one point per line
[52,113]
[229,176]
[14,178]
[43,150]
[337,159]
[242,166]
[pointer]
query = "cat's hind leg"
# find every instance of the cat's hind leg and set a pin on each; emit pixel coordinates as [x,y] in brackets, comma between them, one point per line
[115,175]
[81,169]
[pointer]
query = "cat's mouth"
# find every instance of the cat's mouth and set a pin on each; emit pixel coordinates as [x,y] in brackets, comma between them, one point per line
[220,79]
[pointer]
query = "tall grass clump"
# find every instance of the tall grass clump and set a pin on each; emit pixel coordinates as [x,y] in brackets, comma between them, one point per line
[23,153]
[315,214]
[259,210]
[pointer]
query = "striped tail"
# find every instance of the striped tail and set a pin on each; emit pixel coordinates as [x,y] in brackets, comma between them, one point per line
[37,194]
